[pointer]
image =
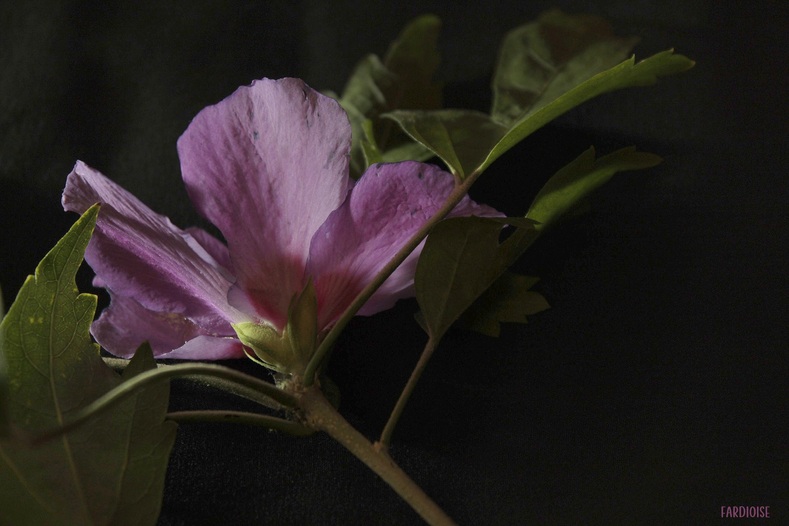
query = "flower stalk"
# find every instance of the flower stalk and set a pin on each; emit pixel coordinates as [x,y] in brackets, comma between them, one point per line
[321,415]
[197,370]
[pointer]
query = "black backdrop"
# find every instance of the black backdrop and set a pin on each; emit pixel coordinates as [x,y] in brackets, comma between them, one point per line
[651,393]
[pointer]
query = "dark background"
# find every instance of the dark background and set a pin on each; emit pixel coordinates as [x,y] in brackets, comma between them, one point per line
[651,393]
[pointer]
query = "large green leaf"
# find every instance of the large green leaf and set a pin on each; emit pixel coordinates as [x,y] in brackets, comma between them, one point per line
[628,73]
[404,79]
[461,259]
[147,440]
[577,180]
[540,76]
[110,470]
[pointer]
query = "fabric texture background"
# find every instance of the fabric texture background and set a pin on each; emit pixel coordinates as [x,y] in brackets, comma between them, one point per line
[651,393]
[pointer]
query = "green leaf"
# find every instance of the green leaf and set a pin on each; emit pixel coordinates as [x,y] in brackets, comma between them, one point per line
[461,138]
[545,69]
[624,75]
[5,420]
[5,423]
[404,79]
[147,441]
[370,150]
[461,259]
[540,61]
[408,150]
[577,180]
[109,471]
[363,99]
[509,300]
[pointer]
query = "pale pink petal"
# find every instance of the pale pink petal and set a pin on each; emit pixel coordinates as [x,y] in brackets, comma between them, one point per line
[267,166]
[215,248]
[139,254]
[125,325]
[385,208]
[207,348]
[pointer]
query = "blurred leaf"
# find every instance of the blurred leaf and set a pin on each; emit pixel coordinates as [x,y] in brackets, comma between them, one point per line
[509,300]
[545,69]
[110,470]
[400,152]
[363,99]
[402,80]
[407,150]
[626,74]
[540,61]
[461,259]
[414,58]
[577,180]
[369,147]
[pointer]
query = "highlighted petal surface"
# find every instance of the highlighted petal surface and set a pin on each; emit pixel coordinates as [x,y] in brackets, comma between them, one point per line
[267,166]
[126,324]
[141,255]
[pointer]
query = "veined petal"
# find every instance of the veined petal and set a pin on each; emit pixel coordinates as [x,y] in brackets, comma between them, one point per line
[215,248]
[267,165]
[125,325]
[385,208]
[140,254]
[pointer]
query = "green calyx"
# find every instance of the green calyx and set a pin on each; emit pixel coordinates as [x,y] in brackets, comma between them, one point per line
[288,351]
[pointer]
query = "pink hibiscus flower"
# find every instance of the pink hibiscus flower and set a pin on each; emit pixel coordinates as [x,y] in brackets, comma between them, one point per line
[269,167]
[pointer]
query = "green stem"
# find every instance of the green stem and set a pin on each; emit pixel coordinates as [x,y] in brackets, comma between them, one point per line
[234,388]
[386,434]
[240,417]
[321,415]
[454,198]
[154,376]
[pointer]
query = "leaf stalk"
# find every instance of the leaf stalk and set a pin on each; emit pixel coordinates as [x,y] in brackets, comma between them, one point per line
[240,417]
[147,378]
[416,374]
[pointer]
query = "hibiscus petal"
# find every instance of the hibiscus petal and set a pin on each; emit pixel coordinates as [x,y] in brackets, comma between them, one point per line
[385,208]
[267,165]
[125,325]
[215,248]
[207,348]
[139,254]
